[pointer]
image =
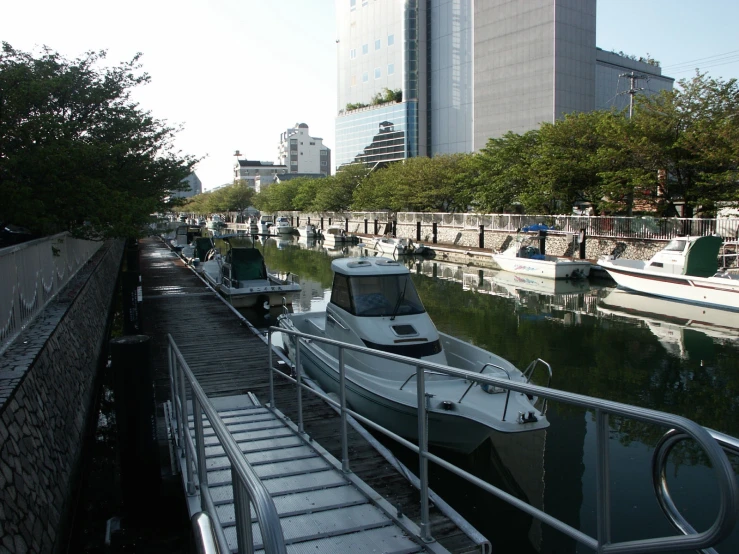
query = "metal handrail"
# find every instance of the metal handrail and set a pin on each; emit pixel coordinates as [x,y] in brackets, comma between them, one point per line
[728,490]
[659,475]
[247,486]
[205,538]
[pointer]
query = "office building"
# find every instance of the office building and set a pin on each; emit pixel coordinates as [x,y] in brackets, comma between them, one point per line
[425,77]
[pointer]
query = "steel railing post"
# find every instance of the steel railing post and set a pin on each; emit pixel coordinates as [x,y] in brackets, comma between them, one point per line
[197,414]
[423,470]
[270,370]
[299,381]
[185,426]
[602,479]
[342,398]
[242,515]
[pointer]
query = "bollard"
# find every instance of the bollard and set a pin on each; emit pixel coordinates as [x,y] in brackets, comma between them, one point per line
[133,390]
[329,221]
[433,232]
[321,223]
[418,230]
[376,224]
[365,226]
[582,244]
[346,224]
[395,227]
[482,236]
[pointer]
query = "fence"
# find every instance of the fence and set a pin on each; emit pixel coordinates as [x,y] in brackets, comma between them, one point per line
[32,273]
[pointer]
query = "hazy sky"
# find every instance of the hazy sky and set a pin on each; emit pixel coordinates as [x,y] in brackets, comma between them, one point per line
[237,73]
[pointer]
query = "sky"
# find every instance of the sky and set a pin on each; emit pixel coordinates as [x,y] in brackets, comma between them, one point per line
[237,73]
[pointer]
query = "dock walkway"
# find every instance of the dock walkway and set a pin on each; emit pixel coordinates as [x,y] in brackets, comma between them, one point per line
[230,360]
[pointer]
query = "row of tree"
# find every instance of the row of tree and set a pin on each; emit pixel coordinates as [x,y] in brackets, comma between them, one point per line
[679,147]
[76,153]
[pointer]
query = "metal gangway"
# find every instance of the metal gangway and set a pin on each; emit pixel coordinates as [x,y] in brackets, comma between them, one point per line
[257,483]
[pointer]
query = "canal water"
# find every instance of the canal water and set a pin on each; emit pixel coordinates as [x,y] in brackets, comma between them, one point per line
[600,342]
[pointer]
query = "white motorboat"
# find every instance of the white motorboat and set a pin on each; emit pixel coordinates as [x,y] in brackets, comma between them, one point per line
[308,231]
[197,251]
[685,270]
[513,282]
[282,226]
[374,304]
[400,246]
[336,234]
[525,258]
[242,277]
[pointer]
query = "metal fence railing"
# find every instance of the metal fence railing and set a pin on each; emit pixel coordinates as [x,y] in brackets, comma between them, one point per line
[32,273]
[714,446]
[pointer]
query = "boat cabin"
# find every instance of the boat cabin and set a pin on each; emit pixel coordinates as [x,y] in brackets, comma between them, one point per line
[242,264]
[372,287]
[693,256]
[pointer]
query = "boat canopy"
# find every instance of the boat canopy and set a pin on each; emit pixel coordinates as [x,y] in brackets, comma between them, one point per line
[702,257]
[247,264]
[202,246]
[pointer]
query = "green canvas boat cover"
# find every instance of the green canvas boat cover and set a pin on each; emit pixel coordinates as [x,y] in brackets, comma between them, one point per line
[702,257]
[247,264]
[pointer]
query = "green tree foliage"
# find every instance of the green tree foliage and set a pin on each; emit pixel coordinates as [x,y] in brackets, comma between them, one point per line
[75,152]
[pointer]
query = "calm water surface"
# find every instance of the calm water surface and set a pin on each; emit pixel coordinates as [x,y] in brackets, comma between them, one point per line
[600,342]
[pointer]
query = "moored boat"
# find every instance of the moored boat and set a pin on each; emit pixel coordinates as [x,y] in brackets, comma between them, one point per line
[400,246]
[308,231]
[242,277]
[282,226]
[523,257]
[336,234]
[374,304]
[685,270]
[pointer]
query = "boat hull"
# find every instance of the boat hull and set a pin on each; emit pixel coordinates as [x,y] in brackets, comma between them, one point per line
[708,291]
[462,426]
[559,269]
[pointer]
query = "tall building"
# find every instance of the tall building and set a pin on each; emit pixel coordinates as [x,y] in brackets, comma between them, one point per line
[249,170]
[302,153]
[195,187]
[447,75]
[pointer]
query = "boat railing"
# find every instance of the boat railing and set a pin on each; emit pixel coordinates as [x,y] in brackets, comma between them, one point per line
[528,374]
[659,475]
[473,383]
[248,489]
[728,492]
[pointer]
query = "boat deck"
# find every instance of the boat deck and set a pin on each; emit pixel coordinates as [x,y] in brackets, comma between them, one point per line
[230,360]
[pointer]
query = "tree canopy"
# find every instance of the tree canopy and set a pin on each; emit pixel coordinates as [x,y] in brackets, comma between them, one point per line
[76,153]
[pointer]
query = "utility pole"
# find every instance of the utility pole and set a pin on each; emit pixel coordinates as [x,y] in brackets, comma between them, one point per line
[633,78]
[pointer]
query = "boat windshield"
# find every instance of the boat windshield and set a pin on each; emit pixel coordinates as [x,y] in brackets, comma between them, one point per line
[384,295]
[676,245]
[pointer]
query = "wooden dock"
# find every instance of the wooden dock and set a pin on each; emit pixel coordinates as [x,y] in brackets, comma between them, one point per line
[229,359]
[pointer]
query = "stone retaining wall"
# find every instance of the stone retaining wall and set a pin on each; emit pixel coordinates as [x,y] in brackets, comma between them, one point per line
[47,385]
[559,244]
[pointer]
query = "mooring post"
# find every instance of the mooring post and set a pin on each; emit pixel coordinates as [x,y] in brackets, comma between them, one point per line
[133,390]
[376,223]
[321,223]
[346,224]
[433,231]
[418,230]
[482,236]
[542,241]
[365,225]
[582,244]
[395,227]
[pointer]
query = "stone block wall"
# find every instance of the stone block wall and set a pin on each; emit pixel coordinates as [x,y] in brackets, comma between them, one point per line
[47,386]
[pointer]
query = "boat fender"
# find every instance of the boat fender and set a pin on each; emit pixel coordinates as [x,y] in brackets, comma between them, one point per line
[263,302]
[490,389]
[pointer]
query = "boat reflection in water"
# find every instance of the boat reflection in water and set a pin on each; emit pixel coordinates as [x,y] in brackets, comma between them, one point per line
[685,330]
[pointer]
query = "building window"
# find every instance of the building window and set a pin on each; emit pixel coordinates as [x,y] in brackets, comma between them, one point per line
[353,53]
[390,68]
[377,44]
[365,49]
[312,143]
[378,73]
[365,77]
[390,40]
[353,4]
[323,162]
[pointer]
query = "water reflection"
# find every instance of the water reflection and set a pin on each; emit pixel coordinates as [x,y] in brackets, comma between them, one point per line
[600,342]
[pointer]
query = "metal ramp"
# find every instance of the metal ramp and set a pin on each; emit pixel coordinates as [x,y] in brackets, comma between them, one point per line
[321,508]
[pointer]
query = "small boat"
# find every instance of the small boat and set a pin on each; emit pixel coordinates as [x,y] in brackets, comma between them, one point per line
[197,251]
[184,235]
[374,304]
[523,257]
[265,223]
[686,270]
[514,282]
[242,277]
[336,234]
[400,246]
[308,231]
[281,226]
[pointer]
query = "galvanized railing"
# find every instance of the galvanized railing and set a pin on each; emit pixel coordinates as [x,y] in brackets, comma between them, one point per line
[32,273]
[602,543]
[247,487]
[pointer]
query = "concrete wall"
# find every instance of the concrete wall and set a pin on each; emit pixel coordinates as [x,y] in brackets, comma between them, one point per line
[47,385]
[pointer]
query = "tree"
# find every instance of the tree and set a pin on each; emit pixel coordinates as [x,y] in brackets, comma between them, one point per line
[76,153]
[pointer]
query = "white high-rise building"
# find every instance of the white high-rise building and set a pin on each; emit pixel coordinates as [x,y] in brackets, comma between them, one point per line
[303,154]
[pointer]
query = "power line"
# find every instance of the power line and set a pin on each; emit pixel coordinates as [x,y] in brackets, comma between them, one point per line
[733,52]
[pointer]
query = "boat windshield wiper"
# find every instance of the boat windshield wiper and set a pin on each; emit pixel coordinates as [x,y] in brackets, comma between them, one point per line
[399,302]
